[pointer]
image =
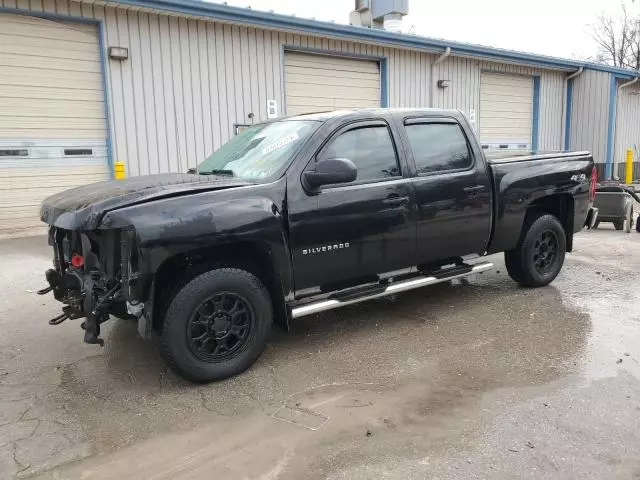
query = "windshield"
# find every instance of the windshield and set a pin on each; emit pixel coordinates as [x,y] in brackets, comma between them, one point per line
[260,152]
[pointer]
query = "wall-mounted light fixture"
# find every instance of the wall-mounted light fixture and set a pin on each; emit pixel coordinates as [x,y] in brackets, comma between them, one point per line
[443,83]
[118,53]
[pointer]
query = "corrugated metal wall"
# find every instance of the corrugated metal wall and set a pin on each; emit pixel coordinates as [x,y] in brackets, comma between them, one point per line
[187,81]
[627,125]
[464,93]
[589,113]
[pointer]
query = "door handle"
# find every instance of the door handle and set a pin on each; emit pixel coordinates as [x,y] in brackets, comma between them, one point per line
[395,199]
[474,188]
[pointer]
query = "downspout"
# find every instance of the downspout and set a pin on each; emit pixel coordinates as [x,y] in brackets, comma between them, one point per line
[613,164]
[568,105]
[443,56]
[575,74]
[629,83]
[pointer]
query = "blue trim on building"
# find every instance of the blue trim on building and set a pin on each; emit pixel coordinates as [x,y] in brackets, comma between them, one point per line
[274,20]
[107,117]
[611,124]
[535,128]
[384,82]
[382,61]
[567,117]
[103,63]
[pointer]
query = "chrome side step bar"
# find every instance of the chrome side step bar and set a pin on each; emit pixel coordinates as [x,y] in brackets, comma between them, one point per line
[390,290]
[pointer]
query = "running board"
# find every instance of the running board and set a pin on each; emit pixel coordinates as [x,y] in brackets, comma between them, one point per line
[393,288]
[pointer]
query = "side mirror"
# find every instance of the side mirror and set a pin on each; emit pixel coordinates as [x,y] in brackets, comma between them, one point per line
[331,170]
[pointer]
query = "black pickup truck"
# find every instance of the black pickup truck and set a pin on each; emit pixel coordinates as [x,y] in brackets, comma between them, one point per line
[301,215]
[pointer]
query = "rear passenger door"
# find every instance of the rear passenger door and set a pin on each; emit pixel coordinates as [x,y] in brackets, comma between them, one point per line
[453,189]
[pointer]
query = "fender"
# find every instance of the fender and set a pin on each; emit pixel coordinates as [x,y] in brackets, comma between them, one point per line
[172,226]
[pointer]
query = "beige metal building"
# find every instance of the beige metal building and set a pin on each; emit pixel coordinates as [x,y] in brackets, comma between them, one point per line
[161,84]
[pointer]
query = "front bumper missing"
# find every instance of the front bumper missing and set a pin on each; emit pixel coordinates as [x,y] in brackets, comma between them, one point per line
[592,218]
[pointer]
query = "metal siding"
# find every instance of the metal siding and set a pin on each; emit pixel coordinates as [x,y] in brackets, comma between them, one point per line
[552,85]
[627,133]
[589,113]
[201,84]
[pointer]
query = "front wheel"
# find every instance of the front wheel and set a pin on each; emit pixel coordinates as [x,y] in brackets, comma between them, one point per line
[217,325]
[539,255]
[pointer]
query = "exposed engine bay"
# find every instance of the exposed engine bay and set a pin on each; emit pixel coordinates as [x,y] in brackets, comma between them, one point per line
[95,275]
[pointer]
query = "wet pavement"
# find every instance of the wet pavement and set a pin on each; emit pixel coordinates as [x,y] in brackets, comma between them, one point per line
[469,379]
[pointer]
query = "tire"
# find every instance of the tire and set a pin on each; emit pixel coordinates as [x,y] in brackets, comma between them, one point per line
[514,269]
[539,255]
[217,325]
[618,224]
[596,225]
[629,221]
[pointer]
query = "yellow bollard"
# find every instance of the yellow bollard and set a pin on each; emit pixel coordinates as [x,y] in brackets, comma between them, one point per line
[118,171]
[628,177]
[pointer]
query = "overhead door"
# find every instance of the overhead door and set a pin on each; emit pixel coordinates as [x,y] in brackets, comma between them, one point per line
[52,115]
[506,111]
[325,82]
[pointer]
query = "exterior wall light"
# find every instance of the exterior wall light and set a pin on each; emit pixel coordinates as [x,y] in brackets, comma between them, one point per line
[118,53]
[443,83]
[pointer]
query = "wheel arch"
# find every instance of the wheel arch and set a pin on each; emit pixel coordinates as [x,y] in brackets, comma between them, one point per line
[561,206]
[255,257]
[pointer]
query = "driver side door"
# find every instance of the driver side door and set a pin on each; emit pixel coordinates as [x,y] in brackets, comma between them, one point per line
[346,234]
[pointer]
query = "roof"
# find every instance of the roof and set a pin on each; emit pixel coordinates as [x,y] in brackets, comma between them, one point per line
[377,111]
[274,20]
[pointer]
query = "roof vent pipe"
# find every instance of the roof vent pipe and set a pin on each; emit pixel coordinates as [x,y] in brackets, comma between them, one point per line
[392,22]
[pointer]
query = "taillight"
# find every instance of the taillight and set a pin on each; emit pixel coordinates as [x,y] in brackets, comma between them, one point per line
[594,182]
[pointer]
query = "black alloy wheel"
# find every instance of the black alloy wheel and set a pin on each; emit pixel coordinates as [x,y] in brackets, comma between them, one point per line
[219,327]
[545,251]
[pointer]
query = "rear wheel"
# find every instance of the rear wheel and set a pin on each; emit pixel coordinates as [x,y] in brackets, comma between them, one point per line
[217,325]
[618,224]
[539,255]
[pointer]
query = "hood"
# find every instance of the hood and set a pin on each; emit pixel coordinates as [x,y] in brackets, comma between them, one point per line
[82,208]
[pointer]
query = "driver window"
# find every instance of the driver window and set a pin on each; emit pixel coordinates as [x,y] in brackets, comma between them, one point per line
[369,148]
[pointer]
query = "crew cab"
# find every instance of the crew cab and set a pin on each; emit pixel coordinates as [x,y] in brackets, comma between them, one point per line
[305,214]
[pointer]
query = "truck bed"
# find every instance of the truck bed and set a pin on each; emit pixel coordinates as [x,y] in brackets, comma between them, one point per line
[562,179]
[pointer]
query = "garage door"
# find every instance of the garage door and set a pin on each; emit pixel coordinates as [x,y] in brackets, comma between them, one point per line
[52,118]
[323,82]
[506,111]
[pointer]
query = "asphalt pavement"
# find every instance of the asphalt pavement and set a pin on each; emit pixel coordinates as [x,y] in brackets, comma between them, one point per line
[474,378]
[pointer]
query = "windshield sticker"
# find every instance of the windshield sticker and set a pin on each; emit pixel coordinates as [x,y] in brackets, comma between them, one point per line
[292,137]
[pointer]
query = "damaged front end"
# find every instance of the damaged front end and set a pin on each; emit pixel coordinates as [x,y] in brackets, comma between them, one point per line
[96,274]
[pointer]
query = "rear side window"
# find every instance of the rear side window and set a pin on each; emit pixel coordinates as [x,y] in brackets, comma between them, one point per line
[369,148]
[438,147]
